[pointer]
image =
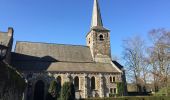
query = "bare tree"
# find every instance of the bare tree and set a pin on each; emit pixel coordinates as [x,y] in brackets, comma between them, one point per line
[134,58]
[153,65]
[159,56]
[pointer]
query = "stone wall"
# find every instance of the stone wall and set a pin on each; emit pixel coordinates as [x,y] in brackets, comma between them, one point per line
[100,49]
[102,82]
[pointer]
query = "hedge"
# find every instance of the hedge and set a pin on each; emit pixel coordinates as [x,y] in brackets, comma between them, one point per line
[134,98]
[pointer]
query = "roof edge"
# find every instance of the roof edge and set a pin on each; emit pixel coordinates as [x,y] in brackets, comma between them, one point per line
[50,43]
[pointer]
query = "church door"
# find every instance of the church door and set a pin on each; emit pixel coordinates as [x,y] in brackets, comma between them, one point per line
[39,90]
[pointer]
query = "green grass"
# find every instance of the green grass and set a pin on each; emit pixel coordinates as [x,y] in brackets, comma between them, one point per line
[161,92]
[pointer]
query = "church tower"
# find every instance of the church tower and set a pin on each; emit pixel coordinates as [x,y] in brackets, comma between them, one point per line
[98,39]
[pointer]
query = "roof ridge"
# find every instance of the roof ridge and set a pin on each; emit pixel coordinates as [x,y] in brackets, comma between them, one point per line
[50,43]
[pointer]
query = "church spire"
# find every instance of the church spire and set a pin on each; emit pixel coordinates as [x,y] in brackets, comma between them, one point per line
[96,17]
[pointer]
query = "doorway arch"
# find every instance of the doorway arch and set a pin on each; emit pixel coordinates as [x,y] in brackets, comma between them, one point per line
[39,90]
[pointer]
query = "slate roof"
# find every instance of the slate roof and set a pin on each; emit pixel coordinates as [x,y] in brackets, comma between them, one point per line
[118,65]
[4,38]
[30,56]
[63,66]
[99,28]
[59,52]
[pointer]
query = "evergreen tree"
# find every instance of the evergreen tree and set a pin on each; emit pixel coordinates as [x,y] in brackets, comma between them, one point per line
[68,91]
[52,91]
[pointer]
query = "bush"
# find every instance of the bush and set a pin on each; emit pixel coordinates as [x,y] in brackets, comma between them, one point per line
[163,92]
[113,95]
[120,87]
[67,91]
[52,91]
[133,98]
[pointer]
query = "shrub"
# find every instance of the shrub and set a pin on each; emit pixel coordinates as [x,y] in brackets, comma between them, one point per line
[53,89]
[67,91]
[133,98]
[120,87]
[113,95]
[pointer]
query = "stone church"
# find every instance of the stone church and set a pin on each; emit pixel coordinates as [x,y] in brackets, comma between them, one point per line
[89,67]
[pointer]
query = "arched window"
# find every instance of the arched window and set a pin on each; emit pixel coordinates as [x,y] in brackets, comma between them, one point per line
[93,83]
[111,79]
[115,91]
[59,80]
[76,83]
[101,38]
[114,79]
[111,90]
[58,83]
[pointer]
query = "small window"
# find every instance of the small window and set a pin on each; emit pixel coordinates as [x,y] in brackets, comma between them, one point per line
[111,90]
[114,90]
[59,80]
[76,83]
[114,79]
[110,79]
[59,83]
[101,38]
[93,83]
[89,40]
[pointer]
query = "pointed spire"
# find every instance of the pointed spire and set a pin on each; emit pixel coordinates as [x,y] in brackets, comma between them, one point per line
[96,17]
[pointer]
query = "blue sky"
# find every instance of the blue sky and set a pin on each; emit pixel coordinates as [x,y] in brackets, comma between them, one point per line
[68,21]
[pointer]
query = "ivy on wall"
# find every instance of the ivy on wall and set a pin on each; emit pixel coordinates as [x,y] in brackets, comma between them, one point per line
[120,88]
